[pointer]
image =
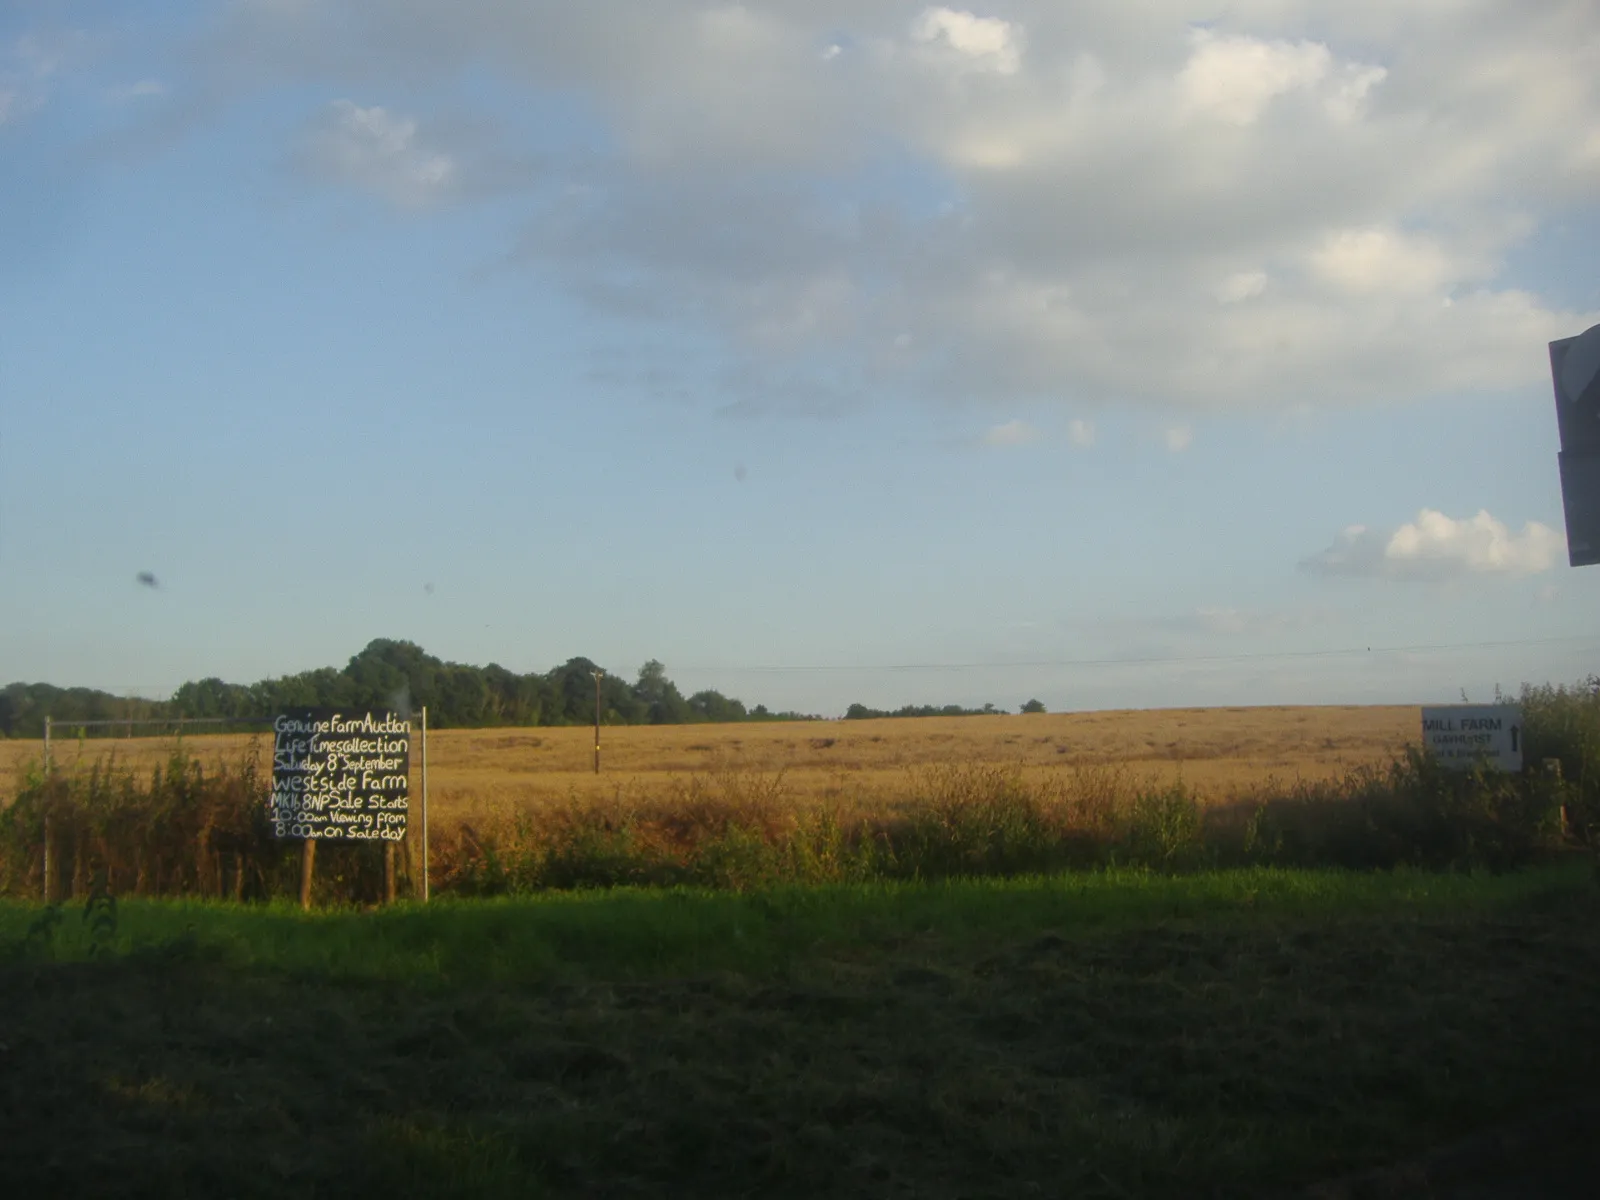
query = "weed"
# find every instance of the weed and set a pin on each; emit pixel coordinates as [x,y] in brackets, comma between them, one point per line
[100,917]
[1163,829]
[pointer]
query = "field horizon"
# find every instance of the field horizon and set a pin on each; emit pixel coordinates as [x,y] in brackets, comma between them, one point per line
[1219,753]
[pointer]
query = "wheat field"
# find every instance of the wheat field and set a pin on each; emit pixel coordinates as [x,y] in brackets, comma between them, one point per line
[479,773]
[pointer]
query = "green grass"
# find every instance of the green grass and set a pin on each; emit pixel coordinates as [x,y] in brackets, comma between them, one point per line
[640,932]
[1112,1034]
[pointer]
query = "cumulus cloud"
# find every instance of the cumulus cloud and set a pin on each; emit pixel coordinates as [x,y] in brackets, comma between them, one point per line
[986,42]
[1241,286]
[138,90]
[1384,260]
[26,65]
[1306,204]
[378,150]
[1011,433]
[1234,78]
[1437,547]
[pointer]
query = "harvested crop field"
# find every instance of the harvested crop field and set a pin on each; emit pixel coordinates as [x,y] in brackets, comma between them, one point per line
[477,773]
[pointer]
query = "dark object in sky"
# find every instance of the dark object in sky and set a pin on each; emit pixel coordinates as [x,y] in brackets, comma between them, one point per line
[146,578]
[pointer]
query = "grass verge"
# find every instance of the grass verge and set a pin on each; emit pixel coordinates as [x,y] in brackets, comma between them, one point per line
[1109,1034]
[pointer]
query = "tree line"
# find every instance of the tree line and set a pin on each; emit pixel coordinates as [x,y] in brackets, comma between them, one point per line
[860,712]
[402,676]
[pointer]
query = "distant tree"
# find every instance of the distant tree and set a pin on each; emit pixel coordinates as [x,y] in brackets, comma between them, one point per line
[659,697]
[619,703]
[401,675]
[1033,706]
[514,699]
[463,696]
[213,698]
[714,706]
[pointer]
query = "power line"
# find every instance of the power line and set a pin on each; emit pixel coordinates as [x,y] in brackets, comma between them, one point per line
[1057,663]
[1167,660]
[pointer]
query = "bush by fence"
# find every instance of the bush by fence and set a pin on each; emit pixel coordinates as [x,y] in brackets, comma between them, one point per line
[182,829]
[184,832]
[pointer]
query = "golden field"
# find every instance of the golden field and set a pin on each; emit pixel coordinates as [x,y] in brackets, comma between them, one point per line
[482,773]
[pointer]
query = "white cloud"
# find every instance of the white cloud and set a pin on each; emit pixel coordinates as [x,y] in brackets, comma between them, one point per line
[1437,547]
[1178,438]
[1384,260]
[1011,433]
[376,149]
[26,64]
[1097,205]
[138,90]
[1240,286]
[1234,78]
[1080,432]
[1350,94]
[988,42]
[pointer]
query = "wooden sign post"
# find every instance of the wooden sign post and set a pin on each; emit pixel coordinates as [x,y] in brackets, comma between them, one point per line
[308,862]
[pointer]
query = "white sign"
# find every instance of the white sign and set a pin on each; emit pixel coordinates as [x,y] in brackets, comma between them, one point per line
[1461,735]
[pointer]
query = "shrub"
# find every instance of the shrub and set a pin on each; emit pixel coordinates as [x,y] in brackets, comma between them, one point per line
[1163,830]
[181,830]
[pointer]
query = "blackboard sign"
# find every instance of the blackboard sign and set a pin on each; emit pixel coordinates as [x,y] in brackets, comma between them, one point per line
[340,775]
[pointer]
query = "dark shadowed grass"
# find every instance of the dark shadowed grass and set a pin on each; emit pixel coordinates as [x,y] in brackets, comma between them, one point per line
[1116,1034]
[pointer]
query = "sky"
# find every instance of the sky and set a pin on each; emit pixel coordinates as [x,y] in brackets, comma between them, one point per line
[1114,355]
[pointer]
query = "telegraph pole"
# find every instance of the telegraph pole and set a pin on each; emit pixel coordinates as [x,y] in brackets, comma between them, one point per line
[598,676]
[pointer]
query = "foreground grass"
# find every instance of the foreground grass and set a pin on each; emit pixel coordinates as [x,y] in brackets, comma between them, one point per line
[1099,1035]
[634,933]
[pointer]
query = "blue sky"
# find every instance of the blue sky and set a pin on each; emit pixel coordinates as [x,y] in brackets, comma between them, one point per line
[827,352]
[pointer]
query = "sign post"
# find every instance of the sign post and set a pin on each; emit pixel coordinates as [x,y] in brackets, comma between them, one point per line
[1464,735]
[308,863]
[342,777]
[598,676]
[424,803]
